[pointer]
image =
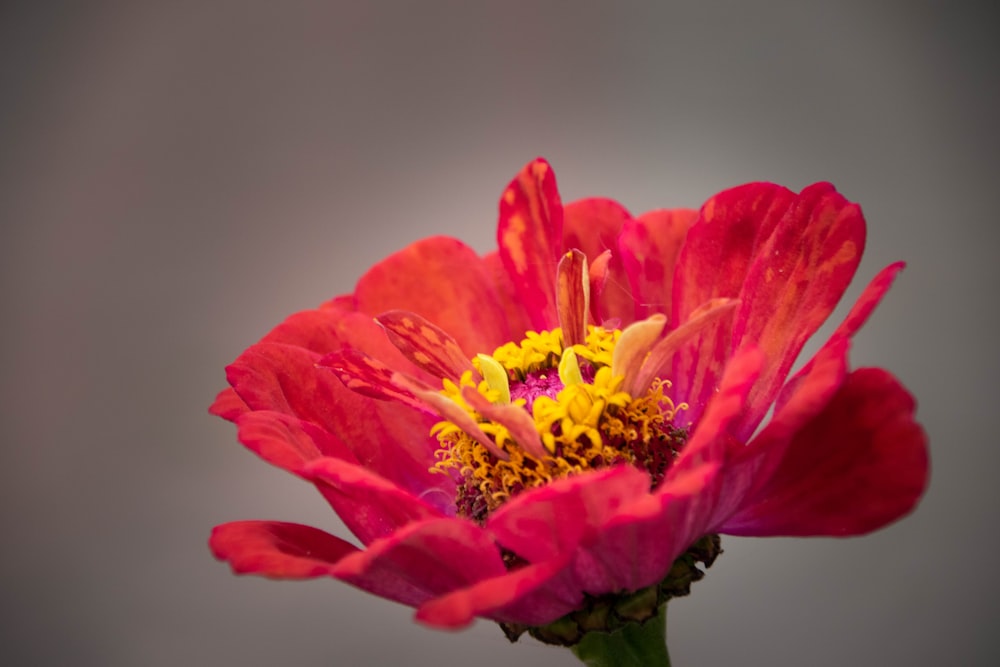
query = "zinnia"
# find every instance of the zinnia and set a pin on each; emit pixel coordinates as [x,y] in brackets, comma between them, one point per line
[553,435]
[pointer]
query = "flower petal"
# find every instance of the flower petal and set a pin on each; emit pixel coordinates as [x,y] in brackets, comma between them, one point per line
[514,417]
[287,441]
[542,523]
[425,344]
[649,247]
[794,283]
[371,506]
[369,377]
[278,550]
[435,557]
[535,594]
[391,440]
[592,225]
[421,278]
[228,405]
[857,466]
[573,297]
[529,235]
[712,263]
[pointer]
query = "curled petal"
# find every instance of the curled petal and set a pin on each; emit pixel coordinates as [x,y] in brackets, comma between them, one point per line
[228,405]
[514,417]
[635,343]
[656,364]
[425,344]
[573,297]
[369,377]
[593,226]
[451,411]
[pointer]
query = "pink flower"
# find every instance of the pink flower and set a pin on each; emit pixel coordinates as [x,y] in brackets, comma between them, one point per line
[489,472]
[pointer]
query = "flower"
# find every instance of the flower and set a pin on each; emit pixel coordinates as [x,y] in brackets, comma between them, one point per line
[566,420]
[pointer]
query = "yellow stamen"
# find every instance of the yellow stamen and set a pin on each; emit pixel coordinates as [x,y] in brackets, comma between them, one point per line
[495,376]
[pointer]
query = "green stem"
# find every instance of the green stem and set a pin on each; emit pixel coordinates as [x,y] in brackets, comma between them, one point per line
[635,645]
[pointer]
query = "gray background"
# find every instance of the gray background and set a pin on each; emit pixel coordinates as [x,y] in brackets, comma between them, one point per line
[177,178]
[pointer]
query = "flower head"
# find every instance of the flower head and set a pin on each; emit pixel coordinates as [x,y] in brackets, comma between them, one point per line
[569,419]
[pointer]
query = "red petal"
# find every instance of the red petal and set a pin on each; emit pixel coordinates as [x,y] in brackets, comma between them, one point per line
[529,236]
[857,466]
[514,417]
[425,344]
[278,550]
[288,442]
[750,466]
[532,595]
[368,377]
[649,248]
[445,281]
[228,405]
[392,440]
[713,263]
[513,310]
[592,226]
[793,285]
[542,523]
[372,507]
[435,557]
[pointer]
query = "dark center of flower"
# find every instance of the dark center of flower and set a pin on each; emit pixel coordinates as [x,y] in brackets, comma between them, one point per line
[554,411]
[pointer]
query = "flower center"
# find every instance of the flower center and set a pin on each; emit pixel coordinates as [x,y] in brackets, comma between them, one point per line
[554,411]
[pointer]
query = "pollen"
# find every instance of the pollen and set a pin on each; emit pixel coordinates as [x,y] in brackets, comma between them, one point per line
[583,418]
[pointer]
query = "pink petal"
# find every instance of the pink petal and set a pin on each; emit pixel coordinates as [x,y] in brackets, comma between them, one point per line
[794,283]
[713,262]
[542,523]
[444,281]
[750,466]
[287,441]
[858,465]
[535,594]
[649,247]
[592,226]
[425,344]
[434,557]
[371,506]
[529,236]
[278,550]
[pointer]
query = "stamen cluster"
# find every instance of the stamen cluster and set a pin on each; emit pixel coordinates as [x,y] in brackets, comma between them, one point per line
[583,419]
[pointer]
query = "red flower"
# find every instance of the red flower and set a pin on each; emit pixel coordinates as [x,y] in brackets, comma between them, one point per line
[582,460]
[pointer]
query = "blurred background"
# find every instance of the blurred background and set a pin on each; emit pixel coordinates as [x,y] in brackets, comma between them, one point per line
[176,178]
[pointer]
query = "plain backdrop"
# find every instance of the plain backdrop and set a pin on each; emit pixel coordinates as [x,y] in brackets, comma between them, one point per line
[177,177]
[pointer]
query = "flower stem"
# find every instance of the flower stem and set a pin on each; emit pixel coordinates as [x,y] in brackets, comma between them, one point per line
[635,645]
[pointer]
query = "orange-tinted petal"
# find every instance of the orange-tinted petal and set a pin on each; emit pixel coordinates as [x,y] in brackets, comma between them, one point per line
[529,235]
[713,262]
[443,280]
[425,344]
[592,225]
